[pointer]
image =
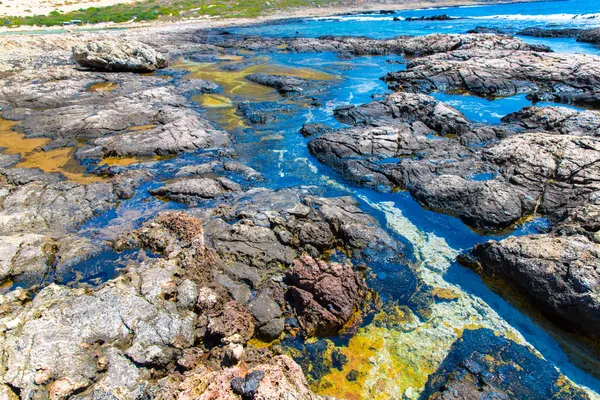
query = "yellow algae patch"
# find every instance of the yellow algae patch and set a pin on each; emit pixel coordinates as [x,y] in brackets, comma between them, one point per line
[214,101]
[396,353]
[16,143]
[360,353]
[259,344]
[235,84]
[230,57]
[142,128]
[59,160]
[445,294]
[103,87]
[124,161]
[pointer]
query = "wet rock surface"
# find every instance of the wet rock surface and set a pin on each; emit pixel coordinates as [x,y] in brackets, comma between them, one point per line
[288,86]
[483,365]
[490,186]
[557,270]
[202,302]
[499,73]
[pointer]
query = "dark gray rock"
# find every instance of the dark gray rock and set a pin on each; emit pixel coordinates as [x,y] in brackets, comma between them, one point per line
[288,85]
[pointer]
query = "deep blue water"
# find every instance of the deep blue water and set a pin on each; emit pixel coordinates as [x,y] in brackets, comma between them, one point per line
[280,152]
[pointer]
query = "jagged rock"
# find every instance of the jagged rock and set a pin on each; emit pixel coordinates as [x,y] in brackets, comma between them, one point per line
[267,225]
[54,207]
[484,365]
[232,320]
[324,295]
[486,30]
[499,73]
[410,45]
[283,379]
[119,56]
[192,189]
[131,312]
[310,130]
[442,17]
[178,131]
[407,107]
[490,186]
[268,316]
[550,33]
[94,115]
[562,120]
[560,273]
[288,85]
[590,36]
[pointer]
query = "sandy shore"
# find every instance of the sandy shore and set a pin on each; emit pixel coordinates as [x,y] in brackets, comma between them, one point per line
[44,7]
[212,22]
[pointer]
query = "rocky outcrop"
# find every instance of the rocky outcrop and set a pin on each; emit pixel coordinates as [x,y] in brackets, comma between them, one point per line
[310,130]
[560,273]
[53,208]
[499,73]
[263,228]
[441,17]
[557,270]
[119,56]
[194,189]
[488,187]
[288,86]
[590,36]
[406,107]
[562,120]
[151,329]
[410,45]
[177,131]
[484,365]
[324,295]
[550,33]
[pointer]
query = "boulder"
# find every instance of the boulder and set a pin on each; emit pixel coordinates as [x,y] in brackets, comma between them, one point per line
[119,56]
[324,295]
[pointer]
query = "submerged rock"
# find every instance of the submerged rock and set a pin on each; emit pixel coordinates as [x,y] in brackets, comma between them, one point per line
[119,56]
[484,365]
[289,85]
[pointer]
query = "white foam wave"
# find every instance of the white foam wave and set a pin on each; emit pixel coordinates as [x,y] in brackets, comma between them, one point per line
[541,17]
[354,18]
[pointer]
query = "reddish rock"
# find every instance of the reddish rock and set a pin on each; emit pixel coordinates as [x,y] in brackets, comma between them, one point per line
[233,319]
[324,295]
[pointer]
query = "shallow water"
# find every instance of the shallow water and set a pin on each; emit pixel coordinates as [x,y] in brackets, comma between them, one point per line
[394,350]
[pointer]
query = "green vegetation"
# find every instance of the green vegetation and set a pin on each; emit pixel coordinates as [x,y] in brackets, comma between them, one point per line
[149,10]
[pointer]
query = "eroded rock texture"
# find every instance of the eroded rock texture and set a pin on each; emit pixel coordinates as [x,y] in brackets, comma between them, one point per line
[119,56]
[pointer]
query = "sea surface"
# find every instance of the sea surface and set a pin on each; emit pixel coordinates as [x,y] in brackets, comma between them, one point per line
[432,240]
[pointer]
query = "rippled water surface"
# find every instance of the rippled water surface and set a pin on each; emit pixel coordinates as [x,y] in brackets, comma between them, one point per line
[276,149]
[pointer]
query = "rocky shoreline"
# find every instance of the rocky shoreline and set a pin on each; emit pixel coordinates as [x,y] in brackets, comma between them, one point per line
[205,286]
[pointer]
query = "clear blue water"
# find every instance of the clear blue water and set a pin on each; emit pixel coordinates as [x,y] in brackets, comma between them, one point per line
[513,17]
[285,161]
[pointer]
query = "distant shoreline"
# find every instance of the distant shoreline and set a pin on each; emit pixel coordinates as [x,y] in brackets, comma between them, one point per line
[308,12]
